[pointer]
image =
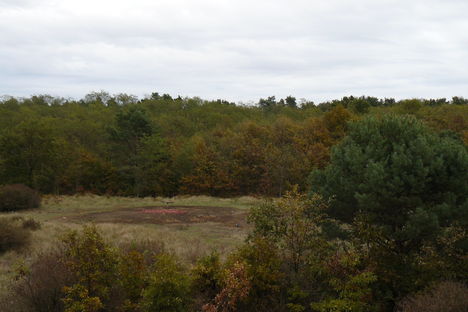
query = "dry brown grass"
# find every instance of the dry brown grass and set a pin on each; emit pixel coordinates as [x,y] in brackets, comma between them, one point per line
[188,241]
[443,297]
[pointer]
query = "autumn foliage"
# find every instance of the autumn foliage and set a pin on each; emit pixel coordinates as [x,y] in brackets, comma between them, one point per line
[365,204]
[161,145]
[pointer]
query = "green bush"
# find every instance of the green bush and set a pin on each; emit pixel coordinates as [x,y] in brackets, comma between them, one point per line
[169,287]
[94,264]
[12,235]
[149,248]
[133,278]
[206,280]
[16,197]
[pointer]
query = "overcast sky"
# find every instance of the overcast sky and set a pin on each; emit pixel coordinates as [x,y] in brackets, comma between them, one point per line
[237,50]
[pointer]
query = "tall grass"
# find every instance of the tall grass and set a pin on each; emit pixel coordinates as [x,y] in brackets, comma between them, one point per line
[189,241]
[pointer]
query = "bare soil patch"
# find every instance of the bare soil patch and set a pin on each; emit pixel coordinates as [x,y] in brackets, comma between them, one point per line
[166,215]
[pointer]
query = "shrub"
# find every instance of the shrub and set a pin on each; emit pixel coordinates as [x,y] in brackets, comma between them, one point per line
[18,197]
[12,235]
[206,280]
[39,287]
[77,299]
[150,249]
[262,262]
[133,276]
[351,285]
[236,289]
[169,287]
[94,264]
[31,224]
[443,297]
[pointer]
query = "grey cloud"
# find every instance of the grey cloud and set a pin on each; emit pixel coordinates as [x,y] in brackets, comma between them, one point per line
[239,50]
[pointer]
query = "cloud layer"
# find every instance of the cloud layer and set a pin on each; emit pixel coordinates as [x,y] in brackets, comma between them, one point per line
[237,50]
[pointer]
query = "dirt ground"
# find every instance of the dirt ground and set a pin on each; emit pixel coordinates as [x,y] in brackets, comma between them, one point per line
[166,215]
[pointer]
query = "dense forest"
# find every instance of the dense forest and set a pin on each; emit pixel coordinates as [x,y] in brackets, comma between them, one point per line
[160,145]
[364,203]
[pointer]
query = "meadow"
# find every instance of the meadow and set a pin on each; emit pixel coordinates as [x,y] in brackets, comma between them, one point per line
[206,224]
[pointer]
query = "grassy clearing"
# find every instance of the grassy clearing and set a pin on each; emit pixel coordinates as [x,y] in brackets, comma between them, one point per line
[189,241]
[63,206]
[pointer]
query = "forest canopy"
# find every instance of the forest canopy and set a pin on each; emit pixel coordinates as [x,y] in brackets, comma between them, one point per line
[160,145]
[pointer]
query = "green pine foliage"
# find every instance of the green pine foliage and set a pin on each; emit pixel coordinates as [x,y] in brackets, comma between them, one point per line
[399,187]
[398,173]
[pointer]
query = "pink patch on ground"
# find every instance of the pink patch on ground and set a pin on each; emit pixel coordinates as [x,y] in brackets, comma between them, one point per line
[164,211]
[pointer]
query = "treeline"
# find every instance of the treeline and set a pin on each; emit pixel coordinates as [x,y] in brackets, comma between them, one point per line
[161,145]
